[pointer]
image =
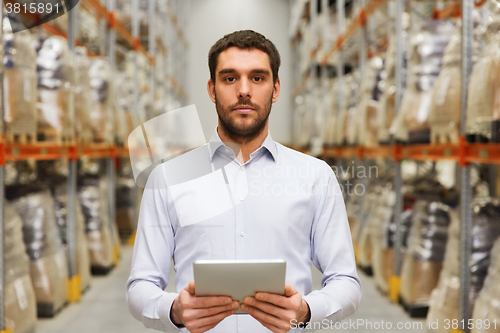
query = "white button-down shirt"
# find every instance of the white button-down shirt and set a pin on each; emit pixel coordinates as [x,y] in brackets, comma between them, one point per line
[283,205]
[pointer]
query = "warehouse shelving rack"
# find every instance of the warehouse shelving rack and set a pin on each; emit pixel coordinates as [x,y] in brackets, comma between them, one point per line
[73,151]
[464,153]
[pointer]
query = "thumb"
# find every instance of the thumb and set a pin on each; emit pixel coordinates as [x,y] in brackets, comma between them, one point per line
[290,290]
[190,287]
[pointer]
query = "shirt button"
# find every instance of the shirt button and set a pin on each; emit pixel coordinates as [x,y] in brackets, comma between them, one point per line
[242,168]
[242,234]
[227,150]
[242,198]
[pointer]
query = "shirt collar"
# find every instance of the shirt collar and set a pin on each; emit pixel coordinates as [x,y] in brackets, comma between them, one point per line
[215,143]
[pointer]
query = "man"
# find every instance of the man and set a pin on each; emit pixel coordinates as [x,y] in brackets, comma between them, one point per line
[287,205]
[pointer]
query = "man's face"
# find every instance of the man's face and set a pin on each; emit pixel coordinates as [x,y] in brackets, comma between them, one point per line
[244,92]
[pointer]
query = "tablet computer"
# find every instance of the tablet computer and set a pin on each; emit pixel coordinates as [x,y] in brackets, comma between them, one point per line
[239,278]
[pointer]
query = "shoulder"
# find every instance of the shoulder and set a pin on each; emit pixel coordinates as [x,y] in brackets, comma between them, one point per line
[306,167]
[289,156]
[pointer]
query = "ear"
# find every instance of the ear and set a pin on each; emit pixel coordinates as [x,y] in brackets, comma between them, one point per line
[276,91]
[211,90]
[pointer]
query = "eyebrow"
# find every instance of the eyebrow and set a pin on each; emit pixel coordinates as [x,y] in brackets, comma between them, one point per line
[254,71]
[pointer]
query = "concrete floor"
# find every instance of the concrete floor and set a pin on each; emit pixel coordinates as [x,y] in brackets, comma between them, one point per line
[103,308]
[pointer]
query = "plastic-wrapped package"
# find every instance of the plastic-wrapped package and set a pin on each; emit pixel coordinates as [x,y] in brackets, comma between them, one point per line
[425,59]
[382,255]
[346,111]
[387,101]
[485,231]
[48,267]
[303,121]
[444,113]
[82,253]
[424,258]
[20,302]
[82,96]
[125,202]
[487,307]
[351,119]
[102,94]
[483,104]
[97,228]
[383,244]
[20,84]
[368,105]
[56,78]
[331,114]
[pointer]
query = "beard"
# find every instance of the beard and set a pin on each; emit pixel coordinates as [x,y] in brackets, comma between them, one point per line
[243,133]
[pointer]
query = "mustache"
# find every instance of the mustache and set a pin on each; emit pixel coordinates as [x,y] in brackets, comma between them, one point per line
[243,102]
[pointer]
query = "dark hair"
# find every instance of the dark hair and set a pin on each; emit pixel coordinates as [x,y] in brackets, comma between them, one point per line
[244,39]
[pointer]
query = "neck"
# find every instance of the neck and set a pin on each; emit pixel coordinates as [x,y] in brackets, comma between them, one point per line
[246,146]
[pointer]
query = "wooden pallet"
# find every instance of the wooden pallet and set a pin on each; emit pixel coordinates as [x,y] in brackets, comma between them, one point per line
[47,310]
[415,310]
[445,135]
[101,270]
[54,136]
[22,138]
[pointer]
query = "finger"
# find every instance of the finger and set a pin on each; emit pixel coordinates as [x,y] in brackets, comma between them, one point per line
[209,321]
[290,290]
[193,314]
[266,318]
[208,302]
[190,287]
[277,300]
[272,309]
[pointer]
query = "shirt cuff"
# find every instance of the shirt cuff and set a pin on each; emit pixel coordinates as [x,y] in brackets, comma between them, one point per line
[164,312]
[319,309]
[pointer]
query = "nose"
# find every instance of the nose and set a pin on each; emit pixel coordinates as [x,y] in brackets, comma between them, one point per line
[244,90]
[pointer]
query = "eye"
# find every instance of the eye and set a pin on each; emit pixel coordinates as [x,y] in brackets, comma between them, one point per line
[230,79]
[257,79]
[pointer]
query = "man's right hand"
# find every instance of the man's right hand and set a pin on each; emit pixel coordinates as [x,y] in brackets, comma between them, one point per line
[200,314]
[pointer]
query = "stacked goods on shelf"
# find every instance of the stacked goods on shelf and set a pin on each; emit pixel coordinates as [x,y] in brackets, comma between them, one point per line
[348,101]
[364,238]
[125,202]
[20,84]
[56,78]
[486,313]
[302,120]
[387,104]
[102,93]
[123,15]
[444,113]
[485,231]
[82,254]
[425,57]
[124,99]
[384,236]
[378,222]
[432,214]
[331,113]
[351,120]
[89,34]
[19,301]
[369,103]
[483,104]
[143,68]
[48,267]
[99,238]
[115,236]
[82,96]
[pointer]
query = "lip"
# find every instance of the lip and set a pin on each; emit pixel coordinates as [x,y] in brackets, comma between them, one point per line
[244,110]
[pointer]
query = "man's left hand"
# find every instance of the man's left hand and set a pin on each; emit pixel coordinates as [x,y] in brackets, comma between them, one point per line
[278,313]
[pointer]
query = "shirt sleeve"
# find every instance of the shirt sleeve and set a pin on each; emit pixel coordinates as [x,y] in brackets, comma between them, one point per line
[333,254]
[153,250]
